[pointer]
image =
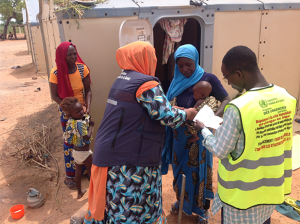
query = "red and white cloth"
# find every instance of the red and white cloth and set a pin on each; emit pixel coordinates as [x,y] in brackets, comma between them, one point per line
[174,30]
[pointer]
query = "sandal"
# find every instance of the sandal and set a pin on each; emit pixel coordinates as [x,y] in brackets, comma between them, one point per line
[202,220]
[71,185]
[175,208]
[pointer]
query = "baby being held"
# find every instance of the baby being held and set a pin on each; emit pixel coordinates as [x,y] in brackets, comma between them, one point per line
[201,92]
[78,132]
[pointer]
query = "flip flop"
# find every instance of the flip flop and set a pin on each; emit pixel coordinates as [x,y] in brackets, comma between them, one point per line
[175,208]
[71,185]
[200,219]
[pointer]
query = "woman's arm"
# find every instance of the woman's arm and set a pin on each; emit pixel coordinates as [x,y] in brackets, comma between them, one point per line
[224,102]
[88,93]
[159,108]
[54,95]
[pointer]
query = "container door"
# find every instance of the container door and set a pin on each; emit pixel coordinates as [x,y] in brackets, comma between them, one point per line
[135,30]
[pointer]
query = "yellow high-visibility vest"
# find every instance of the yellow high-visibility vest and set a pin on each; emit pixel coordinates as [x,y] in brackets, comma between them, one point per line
[262,174]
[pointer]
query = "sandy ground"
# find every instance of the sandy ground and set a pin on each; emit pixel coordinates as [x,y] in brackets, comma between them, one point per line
[21,106]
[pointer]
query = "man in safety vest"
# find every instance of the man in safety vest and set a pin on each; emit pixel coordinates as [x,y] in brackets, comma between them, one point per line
[253,144]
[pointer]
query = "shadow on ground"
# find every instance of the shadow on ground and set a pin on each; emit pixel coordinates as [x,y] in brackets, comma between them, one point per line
[22,53]
[25,71]
[185,218]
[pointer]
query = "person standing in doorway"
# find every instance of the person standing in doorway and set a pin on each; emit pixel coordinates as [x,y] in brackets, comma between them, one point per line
[253,144]
[190,158]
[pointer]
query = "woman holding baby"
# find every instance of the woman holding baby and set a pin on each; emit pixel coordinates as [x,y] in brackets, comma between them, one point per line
[183,150]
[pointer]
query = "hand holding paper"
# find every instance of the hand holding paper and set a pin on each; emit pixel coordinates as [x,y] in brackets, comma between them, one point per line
[208,118]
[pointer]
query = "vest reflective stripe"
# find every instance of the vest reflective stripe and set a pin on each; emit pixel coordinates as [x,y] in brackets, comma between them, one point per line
[262,174]
[265,182]
[250,164]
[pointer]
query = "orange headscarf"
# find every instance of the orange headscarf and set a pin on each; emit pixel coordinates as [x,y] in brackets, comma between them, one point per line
[138,56]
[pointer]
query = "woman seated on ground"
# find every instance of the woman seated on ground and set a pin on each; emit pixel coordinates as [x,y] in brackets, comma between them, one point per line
[126,183]
[68,79]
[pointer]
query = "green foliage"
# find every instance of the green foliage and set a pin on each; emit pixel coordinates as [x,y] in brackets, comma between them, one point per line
[11,8]
[72,7]
[10,28]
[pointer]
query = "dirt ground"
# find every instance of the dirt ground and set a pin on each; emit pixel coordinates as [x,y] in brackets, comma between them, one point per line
[22,107]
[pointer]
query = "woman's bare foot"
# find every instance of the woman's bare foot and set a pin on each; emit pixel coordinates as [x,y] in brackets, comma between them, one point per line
[80,195]
[203,220]
[175,208]
[206,213]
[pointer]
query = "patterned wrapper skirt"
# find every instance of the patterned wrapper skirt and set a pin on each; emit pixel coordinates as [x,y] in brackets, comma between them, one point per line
[133,195]
[195,162]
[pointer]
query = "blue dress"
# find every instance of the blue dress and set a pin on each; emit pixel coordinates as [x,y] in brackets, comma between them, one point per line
[191,159]
[194,161]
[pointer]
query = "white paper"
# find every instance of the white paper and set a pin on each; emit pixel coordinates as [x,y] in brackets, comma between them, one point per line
[208,118]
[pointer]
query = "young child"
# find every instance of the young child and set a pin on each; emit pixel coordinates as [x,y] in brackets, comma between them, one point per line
[78,132]
[10,35]
[201,95]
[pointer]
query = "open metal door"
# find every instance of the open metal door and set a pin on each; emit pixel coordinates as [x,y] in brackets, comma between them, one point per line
[135,30]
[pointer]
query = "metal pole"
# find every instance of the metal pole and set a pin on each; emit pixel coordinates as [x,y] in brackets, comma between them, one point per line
[181,198]
[43,36]
[33,50]
[29,37]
